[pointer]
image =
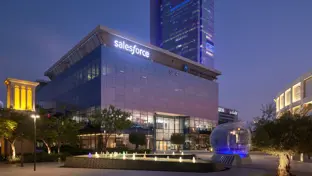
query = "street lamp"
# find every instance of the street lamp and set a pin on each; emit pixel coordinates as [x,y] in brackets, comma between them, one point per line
[34,116]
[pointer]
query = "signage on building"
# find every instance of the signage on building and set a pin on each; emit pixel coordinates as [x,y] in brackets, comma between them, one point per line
[133,49]
[227,111]
[221,109]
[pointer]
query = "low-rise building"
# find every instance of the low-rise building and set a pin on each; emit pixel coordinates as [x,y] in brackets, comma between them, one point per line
[227,115]
[296,95]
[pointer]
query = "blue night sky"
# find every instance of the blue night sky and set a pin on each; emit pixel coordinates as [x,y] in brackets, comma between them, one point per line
[261,46]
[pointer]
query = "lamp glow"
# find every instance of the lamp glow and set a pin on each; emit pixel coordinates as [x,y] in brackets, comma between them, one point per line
[193,160]
[180,159]
[155,158]
[133,156]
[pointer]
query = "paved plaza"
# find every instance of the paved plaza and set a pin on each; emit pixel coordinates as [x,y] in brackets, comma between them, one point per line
[263,165]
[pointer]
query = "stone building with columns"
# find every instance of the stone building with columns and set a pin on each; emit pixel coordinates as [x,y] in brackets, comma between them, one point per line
[20,97]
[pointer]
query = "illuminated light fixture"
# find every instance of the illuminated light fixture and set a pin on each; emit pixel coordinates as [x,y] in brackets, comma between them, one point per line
[155,158]
[172,153]
[96,155]
[182,153]
[193,160]
[167,157]
[90,155]
[180,159]
[133,156]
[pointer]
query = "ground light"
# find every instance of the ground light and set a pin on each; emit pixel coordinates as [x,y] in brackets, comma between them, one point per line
[158,162]
[133,156]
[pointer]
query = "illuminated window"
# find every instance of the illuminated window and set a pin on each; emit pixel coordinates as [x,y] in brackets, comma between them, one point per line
[89,76]
[308,87]
[93,71]
[277,104]
[296,94]
[97,70]
[282,101]
[17,98]
[287,97]
[23,98]
[29,99]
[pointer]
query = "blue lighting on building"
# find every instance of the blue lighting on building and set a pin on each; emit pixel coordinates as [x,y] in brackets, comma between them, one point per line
[179,5]
[209,47]
[185,68]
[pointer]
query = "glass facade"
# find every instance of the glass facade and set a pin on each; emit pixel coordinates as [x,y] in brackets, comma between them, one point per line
[184,27]
[109,75]
[76,89]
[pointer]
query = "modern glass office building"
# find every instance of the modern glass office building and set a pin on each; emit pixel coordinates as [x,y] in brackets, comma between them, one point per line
[184,27]
[164,92]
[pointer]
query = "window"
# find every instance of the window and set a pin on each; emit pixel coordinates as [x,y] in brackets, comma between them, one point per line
[282,101]
[308,87]
[287,97]
[89,74]
[277,104]
[97,69]
[296,94]
[93,74]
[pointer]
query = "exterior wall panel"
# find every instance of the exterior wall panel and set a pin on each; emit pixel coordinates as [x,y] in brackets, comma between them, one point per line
[148,86]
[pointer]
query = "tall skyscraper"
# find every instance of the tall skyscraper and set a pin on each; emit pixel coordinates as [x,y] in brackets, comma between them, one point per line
[184,27]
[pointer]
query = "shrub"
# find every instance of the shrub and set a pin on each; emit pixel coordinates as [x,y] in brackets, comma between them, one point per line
[72,150]
[137,139]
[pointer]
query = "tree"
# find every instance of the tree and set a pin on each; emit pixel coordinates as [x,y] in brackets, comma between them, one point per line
[7,127]
[288,135]
[111,120]
[15,126]
[46,131]
[137,139]
[67,131]
[177,139]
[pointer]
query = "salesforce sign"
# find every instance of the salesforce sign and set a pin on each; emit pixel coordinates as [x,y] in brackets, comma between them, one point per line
[133,49]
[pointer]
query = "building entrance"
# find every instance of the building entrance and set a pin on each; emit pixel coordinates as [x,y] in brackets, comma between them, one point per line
[166,125]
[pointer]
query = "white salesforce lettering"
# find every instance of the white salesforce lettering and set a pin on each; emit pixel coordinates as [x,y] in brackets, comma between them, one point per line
[133,49]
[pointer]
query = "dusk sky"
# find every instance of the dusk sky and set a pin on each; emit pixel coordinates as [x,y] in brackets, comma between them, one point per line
[261,45]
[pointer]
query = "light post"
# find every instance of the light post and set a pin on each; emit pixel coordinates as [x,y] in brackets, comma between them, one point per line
[34,116]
